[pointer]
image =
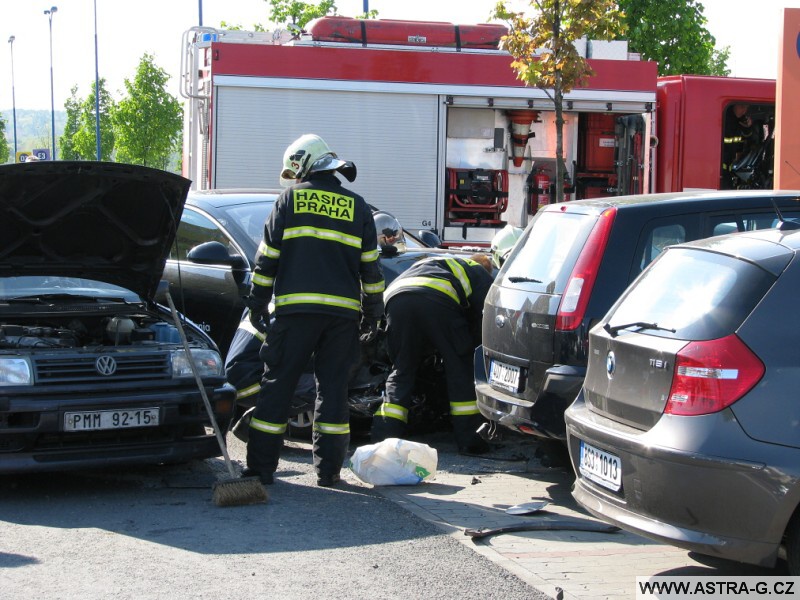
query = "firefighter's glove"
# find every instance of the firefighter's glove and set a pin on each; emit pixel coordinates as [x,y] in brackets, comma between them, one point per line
[368,330]
[259,314]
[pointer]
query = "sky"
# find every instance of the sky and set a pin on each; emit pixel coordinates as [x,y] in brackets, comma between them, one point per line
[127,30]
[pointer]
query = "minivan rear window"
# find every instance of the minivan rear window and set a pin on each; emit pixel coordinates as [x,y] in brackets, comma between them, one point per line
[545,255]
[700,295]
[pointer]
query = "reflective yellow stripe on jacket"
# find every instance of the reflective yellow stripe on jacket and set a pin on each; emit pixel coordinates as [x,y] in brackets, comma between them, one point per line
[440,285]
[322,299]
[322,234]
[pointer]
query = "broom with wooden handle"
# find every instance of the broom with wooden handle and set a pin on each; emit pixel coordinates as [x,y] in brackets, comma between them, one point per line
[233,491]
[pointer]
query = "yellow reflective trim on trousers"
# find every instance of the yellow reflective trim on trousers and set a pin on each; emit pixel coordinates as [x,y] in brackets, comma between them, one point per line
[322,299]
[464,408]
[248,327]
[370,256]
[263,280]
[439,285]
[268,251]
[332,428]
[373,288]
[248,391]
[393,411]
[322,234]
[266,427]
[461,275]
[732,140]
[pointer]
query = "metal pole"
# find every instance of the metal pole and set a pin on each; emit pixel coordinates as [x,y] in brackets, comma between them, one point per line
[13,98]
[366,6]
[49,14]
[96,87]
[200,12]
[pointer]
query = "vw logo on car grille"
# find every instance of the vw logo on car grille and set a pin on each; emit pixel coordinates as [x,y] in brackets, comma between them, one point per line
[106,365]
[611,364]
[500,321]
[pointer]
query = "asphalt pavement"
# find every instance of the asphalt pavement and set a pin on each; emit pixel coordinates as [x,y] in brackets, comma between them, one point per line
[475,492]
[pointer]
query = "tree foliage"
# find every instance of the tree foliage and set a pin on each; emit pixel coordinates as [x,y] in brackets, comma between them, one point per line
[673,33]
[542,43]
[4,147]
[66,143]
[295,14]
[85,138]
[148,120]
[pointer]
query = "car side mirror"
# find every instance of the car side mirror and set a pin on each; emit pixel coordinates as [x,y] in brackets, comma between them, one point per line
[215,253]
[429,238]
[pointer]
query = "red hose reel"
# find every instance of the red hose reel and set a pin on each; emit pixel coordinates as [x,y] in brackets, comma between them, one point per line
[477,196]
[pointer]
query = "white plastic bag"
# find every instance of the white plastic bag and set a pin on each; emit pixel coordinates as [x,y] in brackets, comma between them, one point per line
[394,462]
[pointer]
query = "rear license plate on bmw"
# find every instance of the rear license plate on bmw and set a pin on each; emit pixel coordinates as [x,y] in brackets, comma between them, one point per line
[504,376]
[601,467]
[93,420]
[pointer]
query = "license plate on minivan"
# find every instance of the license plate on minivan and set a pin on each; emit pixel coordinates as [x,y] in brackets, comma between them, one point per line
[601,467]
[504,376]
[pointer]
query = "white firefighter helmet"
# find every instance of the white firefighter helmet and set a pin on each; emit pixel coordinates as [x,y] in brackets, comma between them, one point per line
[307,154]
[503,242]
[390,233]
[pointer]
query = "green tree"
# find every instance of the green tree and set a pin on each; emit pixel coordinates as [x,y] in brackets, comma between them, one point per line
[4,147]
[65,143]
[673,33]
[148,120]
[85,138]
[544,53]
[294,14]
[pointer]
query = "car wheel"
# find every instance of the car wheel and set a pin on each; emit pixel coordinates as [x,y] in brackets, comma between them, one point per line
[300,425]
[793,545]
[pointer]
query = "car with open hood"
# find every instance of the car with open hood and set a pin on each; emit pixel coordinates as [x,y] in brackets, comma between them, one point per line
[687,427]
[93,372]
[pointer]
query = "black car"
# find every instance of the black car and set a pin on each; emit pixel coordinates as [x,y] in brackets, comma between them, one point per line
[687,427]
[92,371]
[572,263]
[211,261]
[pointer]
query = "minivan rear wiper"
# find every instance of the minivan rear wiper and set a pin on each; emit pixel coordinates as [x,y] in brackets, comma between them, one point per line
[613,330]
[519,279]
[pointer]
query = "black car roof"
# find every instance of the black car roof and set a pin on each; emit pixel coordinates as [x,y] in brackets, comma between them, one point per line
[667,203]
[225,197]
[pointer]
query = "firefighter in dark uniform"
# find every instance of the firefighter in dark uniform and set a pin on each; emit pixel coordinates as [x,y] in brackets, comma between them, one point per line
[437,303]
[243,365]
[737,136]
[319,263]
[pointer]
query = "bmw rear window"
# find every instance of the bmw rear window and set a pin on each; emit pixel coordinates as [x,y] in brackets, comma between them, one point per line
[692,294]
[545,255]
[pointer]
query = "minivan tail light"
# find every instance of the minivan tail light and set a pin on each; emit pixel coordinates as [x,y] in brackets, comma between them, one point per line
[711,375]
[581,281]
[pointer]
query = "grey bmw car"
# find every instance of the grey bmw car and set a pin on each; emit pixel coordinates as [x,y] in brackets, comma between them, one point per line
[687,427]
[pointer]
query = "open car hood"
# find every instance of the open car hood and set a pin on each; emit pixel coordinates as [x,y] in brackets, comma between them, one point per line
[106,221]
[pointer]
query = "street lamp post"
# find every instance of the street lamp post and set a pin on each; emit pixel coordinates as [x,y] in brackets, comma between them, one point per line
[96,87]
[50,14]
[13,99]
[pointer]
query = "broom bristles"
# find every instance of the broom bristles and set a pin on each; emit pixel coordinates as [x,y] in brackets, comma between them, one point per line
[239,492]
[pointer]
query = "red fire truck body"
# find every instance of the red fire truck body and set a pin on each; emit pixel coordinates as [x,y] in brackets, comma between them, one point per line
[444,135]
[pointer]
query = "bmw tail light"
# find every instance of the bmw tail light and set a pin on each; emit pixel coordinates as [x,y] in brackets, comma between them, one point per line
[581,281]
[711,375]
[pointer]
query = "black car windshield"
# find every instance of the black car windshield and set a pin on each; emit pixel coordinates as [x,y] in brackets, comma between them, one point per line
[250,218]
[551,242]
[692,294]
[42,286]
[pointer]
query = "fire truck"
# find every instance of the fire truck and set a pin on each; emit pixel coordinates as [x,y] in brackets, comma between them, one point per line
[444,135]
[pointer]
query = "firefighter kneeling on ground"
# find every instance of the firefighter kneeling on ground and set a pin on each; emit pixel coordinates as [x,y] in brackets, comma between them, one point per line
[319,260]
[243,365]
[437,302]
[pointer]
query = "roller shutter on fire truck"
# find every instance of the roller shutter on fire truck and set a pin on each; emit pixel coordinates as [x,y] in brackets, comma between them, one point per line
[392,139]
